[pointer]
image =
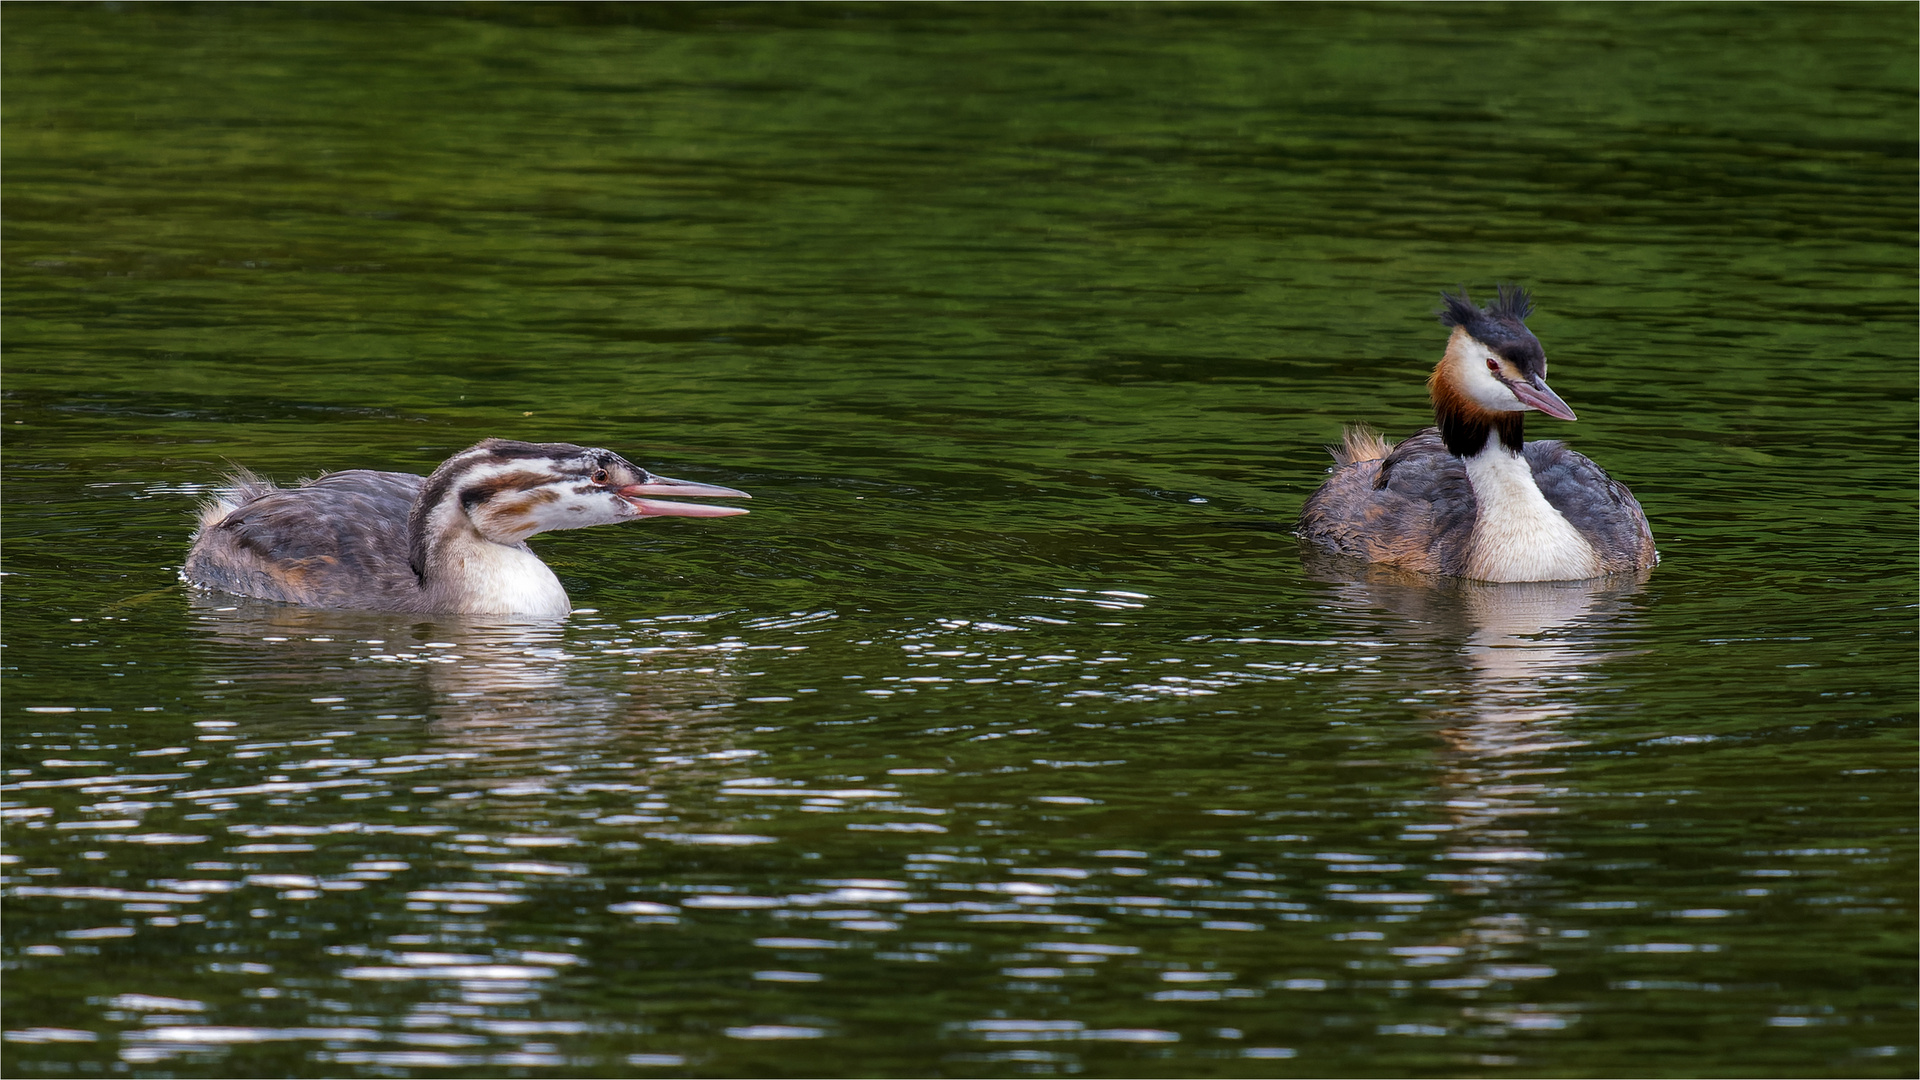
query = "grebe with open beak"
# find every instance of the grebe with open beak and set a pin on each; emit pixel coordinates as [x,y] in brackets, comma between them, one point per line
[451,542]
[1470,498]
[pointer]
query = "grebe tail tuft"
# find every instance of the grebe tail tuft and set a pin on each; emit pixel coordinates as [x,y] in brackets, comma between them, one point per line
[1359,442]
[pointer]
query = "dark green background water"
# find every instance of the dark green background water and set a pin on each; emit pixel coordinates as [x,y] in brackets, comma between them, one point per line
[1013,733]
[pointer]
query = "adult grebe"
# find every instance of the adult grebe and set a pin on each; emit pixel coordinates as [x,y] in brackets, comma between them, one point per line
[1470,498]
[451,542]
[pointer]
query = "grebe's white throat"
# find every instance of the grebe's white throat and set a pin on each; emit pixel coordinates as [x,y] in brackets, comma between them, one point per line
[1519,536]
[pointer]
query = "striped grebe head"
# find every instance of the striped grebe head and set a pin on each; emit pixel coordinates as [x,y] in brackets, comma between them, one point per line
[508,491]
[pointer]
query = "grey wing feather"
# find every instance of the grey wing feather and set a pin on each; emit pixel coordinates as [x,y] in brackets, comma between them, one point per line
[1602,508]
[339,541]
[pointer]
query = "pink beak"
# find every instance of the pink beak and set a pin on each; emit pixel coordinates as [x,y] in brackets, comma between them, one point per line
[685,489]
[1536,393]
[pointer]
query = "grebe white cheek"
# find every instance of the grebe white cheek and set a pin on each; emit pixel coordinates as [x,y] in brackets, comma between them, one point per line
[454,541]
[1470,497]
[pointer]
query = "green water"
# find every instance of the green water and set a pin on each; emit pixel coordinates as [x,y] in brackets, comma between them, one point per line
[1013,733]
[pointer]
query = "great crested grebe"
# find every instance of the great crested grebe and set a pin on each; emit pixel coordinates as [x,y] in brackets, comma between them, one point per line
[451,542]
[1470,498]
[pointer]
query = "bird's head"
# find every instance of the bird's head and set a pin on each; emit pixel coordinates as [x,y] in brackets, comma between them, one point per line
[1493,362]
[511,490]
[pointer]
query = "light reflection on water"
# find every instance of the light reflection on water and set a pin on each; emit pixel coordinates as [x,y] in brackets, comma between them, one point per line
[544,754]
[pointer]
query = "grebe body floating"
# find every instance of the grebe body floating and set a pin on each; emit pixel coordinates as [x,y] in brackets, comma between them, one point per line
[1469,497]
[454,541]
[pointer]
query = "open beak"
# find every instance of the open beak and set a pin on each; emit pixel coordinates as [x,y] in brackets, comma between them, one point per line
[1536,393]
[637,496]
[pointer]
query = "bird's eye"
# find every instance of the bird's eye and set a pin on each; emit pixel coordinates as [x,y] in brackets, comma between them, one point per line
[1493,365]
[599,476]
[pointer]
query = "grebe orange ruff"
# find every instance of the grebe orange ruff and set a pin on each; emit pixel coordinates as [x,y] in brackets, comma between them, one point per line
[1469,498]
[451,542]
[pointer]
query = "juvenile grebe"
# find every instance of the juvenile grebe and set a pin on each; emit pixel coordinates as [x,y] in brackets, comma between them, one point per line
[1470,498]
[451,542]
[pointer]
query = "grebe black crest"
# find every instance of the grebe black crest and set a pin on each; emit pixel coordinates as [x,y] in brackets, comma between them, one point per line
[1470,497]
[454,541]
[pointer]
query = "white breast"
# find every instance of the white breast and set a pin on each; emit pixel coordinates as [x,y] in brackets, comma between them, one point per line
[1519,536]
[497,579]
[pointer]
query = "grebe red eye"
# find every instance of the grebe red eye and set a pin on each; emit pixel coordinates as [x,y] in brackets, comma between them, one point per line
[599,476]
[1493,365]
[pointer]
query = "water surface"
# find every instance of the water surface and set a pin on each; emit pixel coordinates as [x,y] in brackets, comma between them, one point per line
[1013,733]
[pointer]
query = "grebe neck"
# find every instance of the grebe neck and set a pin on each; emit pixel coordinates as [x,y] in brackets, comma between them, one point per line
[1517,534]
[1467,433]
[462,571]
